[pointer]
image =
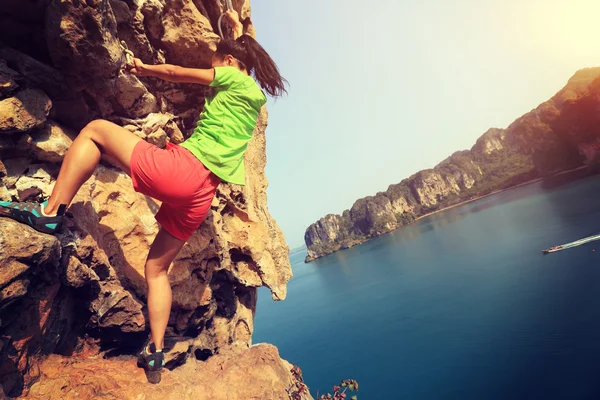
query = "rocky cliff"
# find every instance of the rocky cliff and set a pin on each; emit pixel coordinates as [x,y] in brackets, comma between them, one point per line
[82,293]
[561,134]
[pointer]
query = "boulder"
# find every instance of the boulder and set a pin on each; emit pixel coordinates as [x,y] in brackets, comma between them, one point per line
[25,111]
[51,143]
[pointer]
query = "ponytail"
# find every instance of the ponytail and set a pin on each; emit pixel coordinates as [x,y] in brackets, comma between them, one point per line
[255,60]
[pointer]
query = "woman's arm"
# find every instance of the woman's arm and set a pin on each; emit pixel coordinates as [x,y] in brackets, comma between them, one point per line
[173,73]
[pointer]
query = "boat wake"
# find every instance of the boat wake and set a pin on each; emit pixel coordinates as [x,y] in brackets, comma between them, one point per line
[572,244]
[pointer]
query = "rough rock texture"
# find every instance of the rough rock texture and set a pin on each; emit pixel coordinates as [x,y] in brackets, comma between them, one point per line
[185,27]
[490,141]
[51,143]
[23,112]
[68,105]
[23,255]
[561,134]
[83,292]
[7,80]
[373,215]
[255,373]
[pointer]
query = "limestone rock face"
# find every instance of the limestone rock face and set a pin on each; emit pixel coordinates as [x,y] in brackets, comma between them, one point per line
[186,28]
[430,187]
[490,141]
[68,105]
[24,254]
[255,373]
[87,56]
[373,215]
[83,292]
[324,231]
[28,283]
[92,57]
[132,95]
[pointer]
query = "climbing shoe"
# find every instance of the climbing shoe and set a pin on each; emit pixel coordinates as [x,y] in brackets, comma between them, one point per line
[152,361]
[30,213]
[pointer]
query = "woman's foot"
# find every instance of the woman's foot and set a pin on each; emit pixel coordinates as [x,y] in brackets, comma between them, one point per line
[32,214]
[152,361]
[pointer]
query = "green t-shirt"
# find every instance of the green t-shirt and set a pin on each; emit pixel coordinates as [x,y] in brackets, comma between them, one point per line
[226,124]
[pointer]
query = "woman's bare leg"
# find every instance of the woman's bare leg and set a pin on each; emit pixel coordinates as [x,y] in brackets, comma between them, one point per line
[163,251]
[103,138]
[97,138]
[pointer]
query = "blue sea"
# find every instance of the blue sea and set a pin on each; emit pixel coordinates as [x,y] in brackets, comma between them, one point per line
[460,305]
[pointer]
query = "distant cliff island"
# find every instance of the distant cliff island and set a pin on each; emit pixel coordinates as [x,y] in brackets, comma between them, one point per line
[559,135]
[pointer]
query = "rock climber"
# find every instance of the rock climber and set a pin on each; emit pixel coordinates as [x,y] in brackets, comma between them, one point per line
[183,177]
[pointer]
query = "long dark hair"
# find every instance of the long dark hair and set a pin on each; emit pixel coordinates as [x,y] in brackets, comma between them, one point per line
[256,61]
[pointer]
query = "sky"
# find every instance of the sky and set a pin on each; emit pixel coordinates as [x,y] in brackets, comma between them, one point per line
[381,90]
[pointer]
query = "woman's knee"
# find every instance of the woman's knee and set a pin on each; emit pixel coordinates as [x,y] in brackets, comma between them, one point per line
[89,131]
[153,270]
[96,125]
[96,129]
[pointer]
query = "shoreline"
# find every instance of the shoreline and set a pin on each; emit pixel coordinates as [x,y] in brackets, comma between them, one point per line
[307,260]
[497,192]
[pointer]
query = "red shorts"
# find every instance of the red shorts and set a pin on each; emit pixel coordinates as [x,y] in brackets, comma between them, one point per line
[179,180]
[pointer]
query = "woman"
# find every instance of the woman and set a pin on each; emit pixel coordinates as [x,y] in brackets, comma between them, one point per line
[184,178]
